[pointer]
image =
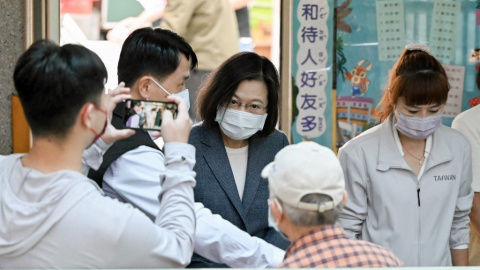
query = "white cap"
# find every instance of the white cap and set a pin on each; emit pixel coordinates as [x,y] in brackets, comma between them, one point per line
[306,168]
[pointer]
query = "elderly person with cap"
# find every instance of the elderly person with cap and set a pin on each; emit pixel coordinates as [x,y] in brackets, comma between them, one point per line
[307,195]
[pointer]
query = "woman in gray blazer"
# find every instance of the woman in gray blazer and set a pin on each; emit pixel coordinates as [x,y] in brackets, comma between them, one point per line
[238,104]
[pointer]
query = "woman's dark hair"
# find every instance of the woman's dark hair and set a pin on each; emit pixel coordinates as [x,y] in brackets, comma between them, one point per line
[53,84]
[419,78]
[221,85]
[152,51]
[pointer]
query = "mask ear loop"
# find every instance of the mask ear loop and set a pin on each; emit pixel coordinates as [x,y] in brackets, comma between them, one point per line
[105,126]
[159,85]
[279,205]
[97,135]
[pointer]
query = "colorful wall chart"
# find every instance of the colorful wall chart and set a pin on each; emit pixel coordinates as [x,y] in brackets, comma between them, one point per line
[380,31]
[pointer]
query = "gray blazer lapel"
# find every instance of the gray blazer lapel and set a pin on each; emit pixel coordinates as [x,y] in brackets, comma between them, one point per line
[254,170]
[216,157]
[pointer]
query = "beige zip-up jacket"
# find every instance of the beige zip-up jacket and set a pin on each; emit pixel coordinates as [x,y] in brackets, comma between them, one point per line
[385,206]
[209,26]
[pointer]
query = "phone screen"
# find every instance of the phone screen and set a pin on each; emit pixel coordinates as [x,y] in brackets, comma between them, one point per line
[146,114]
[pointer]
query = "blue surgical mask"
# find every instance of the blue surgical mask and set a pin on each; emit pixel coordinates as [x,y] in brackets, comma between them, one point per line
[418,128]
[184,94]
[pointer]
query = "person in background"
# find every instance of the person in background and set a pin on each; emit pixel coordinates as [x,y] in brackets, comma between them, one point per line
[468,123]
[55,217]
[210,27]
[239,107]
[150,16]
[242,13]
[307,195]
[155,63]
[133,120]
[151,117]
[409,178]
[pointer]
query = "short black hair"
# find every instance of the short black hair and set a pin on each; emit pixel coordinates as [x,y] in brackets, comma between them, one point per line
[53,83]
[152,51]
[221,85]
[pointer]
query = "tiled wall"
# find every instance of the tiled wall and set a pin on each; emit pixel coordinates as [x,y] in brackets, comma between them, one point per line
[12,14]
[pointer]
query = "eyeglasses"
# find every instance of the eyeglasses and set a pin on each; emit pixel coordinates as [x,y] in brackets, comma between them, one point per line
[255,108]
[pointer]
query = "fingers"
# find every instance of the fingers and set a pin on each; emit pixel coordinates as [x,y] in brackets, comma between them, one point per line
[182,106]
[124,133]
[112,134]
[155,134]
[178,129]
[167,116]
[113,98]
[120,89]
[120,97]
[117,95]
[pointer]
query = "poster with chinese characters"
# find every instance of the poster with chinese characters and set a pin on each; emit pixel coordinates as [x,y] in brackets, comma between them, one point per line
[312,38]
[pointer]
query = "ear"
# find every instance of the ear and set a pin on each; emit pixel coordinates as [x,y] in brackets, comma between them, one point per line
[369,66]
[277,212]
[144,86]
[345,197]
[394,106]
[86,115]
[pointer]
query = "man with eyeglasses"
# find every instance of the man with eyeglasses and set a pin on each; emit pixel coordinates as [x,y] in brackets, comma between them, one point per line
[155,64]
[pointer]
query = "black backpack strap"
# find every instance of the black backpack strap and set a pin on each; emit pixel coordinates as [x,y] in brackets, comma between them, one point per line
[122,146]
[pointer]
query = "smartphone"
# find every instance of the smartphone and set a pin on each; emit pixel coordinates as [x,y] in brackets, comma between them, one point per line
[146,114]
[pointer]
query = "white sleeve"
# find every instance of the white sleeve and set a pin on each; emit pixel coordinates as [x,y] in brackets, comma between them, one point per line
[219,240]
[143,244]
[460,231]
[472,133]
[135,178]
[177,211]
[354,213]
[92,157]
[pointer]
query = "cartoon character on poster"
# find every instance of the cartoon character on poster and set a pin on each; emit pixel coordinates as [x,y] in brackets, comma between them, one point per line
[358,78]
[474,57]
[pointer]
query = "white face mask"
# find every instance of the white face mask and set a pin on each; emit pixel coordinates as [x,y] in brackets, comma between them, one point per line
[271,221]
[239,125]
[184,94]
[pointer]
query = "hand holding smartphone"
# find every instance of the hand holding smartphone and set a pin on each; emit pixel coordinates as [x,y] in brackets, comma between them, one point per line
[146,114]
